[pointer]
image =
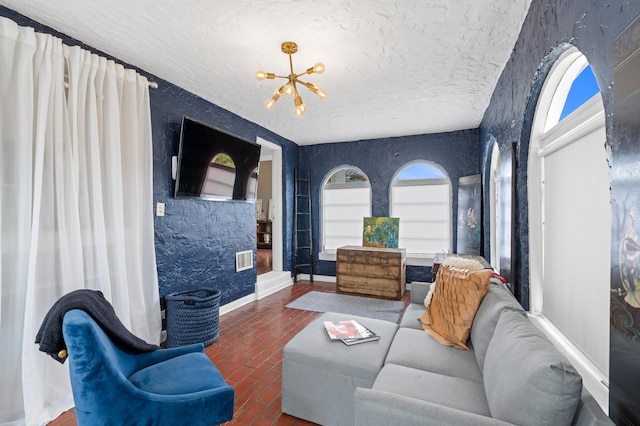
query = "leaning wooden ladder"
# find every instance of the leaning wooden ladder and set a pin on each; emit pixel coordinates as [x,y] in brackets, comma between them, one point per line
[302,232]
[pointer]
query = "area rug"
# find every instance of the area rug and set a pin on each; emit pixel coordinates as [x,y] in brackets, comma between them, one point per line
[318,301]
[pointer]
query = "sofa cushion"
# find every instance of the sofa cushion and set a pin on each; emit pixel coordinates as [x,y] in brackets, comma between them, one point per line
[453,392]
[453,303]
[527,381]
[411,317]
[497,299]
[416,349]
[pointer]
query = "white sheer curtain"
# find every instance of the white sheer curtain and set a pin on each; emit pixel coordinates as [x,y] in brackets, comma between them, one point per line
[75,205]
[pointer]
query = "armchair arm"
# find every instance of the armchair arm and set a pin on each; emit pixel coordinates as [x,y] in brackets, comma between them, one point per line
[149,358]
[378,408]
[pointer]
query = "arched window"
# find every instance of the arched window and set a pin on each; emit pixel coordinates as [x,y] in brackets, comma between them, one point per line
[574,85]
[495,219]
[501,208]
[346,200]
[421,197]
[570,222]
[220,178]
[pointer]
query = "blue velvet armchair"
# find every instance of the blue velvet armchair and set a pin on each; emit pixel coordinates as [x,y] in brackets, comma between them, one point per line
[177,386]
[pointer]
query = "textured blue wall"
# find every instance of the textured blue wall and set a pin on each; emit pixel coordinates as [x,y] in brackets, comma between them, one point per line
[380,159]
[549,29]
[196,240]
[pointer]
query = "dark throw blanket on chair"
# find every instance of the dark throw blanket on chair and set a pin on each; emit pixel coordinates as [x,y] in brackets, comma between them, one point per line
[50,336]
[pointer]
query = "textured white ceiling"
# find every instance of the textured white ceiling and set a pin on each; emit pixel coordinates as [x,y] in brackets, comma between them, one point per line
[393,68]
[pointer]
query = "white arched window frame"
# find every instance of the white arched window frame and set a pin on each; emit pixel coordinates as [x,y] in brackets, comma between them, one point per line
[423,205]
[569,226]
[345,203]
[494,216]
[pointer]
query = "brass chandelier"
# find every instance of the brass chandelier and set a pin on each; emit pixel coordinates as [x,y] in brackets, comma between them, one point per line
[290,89]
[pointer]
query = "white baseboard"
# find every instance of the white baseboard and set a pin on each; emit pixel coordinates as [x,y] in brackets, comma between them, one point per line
[266,285]
[322,278]
[272,282]
[329,279]
[237,303]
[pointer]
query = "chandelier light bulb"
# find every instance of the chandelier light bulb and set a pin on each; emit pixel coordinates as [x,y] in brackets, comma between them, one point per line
[318,68]
[269,103]
[322,94]
[288,89]
[261,75]
[300,106]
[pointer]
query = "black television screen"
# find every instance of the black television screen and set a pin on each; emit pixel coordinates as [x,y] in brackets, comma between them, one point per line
[214,164]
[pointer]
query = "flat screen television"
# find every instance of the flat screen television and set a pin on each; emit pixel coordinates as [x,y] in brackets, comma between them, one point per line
[214,164]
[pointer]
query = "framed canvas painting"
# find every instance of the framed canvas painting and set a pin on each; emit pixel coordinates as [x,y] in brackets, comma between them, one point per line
[380,232]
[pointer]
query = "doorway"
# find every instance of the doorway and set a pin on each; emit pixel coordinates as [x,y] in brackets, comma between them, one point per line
[272,278]
[264,215]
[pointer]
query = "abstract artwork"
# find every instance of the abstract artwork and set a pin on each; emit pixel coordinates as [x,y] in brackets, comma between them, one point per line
[381,232]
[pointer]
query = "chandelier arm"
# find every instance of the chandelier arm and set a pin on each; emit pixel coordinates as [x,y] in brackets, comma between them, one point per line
[291,64]
[295,88]
[304,73]
[305,84]
[310,86]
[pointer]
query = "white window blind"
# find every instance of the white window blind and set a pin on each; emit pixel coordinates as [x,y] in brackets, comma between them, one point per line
[424,210]
[576,243]
[343,208]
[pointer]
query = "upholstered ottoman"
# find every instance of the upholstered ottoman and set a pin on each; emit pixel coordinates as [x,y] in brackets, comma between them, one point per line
[319,376]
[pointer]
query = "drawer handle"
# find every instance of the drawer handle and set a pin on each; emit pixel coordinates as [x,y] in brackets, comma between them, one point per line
[351,258]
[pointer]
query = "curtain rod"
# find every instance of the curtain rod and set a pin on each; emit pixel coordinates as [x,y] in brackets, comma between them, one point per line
[152,84]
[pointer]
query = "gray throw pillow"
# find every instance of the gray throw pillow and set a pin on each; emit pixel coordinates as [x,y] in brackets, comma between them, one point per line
[527,381]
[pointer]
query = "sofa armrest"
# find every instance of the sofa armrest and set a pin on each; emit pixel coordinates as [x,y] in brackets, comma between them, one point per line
[374,407]
[589,412]
[419,291]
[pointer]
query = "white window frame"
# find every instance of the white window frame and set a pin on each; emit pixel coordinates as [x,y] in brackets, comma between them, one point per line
[330,253]
[422,258]
[547,137]
[495,180]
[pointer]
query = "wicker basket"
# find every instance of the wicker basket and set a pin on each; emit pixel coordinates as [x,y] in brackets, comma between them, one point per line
[192,317]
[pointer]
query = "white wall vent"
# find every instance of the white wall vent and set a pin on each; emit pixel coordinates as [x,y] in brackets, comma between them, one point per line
[244,260]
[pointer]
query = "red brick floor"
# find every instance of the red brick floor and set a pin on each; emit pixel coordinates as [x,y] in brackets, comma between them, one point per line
[248,353]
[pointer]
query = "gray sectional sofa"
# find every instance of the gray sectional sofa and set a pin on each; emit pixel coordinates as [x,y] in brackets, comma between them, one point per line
[511,375]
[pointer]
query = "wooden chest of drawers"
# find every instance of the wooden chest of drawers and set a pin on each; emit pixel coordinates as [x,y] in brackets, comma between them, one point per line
[372,271]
